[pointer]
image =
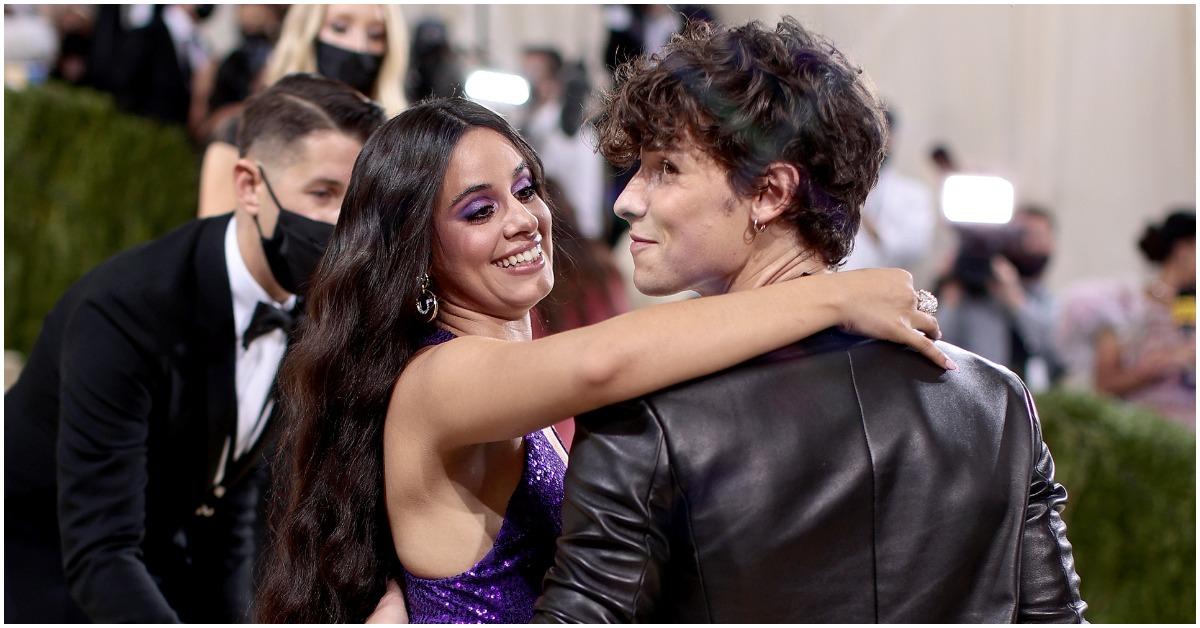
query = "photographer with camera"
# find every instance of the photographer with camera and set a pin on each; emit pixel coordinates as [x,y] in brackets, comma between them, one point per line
[992,300]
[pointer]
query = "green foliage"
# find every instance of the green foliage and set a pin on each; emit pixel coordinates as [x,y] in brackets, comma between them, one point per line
[1131,511]
[82,182]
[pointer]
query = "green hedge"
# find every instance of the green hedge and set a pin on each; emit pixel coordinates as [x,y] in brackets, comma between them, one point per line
[1131,511]
[81,182]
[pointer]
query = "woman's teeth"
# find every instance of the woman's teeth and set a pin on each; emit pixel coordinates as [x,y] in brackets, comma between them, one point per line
[520,258]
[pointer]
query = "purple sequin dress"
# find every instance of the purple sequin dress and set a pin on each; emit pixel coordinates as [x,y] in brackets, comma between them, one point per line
[504,584]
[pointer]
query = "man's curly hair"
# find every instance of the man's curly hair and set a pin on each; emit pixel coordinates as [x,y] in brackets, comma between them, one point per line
[749,97]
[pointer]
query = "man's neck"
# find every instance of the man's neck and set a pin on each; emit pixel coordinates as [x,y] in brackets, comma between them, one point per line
[250,246]
[777,257]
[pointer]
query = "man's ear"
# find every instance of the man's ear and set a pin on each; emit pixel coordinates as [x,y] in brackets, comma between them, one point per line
[779,185]
[245,185]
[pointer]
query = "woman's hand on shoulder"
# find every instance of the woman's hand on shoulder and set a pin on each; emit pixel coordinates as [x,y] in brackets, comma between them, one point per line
[881,303]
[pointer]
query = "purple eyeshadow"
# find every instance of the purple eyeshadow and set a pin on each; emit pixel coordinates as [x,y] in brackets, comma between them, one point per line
[474,206]
[523,182]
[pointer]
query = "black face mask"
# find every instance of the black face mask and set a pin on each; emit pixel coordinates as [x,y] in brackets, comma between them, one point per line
[356,69]
[295,248]
[1029,266]
[257,47]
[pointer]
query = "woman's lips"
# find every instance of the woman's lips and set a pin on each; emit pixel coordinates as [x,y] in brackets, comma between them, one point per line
[527,268]
[527,262]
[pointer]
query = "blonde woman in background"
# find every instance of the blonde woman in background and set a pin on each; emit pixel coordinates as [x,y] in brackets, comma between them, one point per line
[362,45]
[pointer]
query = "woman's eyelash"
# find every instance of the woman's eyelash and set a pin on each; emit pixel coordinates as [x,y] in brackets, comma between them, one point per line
[482,213]
[476,213]
[525,193]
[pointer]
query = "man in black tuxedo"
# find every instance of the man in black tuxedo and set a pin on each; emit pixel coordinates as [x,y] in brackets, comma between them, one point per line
[135,434]
[841,479]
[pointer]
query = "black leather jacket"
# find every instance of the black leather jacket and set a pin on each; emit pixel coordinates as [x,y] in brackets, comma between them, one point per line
[837,480]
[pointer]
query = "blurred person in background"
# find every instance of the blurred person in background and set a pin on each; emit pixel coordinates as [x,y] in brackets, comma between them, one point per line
[898,219]
[1136,340]
[134,437]
[362,45]
[74,23]
[222,88]
[147,56]
[434,69]
[553,123]
[993,300]
[30,45]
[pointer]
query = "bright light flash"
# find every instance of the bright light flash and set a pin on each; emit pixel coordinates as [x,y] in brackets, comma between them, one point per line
[977,199]
[500,87]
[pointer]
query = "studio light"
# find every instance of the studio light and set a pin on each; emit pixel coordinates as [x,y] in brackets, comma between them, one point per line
[977,199]
[497,87]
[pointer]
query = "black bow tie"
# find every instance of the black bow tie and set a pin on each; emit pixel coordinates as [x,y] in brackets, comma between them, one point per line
[268,318]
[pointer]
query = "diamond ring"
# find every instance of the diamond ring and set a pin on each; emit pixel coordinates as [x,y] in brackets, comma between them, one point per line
[926,302]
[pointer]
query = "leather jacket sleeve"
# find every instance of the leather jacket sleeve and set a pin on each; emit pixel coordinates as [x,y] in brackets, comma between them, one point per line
[1049,584]
[614,543]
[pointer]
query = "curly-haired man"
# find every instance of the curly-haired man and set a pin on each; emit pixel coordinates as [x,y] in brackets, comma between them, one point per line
[840,479]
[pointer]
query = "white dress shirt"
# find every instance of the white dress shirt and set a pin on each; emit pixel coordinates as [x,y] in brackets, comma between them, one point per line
[255,365]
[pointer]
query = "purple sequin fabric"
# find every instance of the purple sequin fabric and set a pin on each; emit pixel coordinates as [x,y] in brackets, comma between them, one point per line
[503,586]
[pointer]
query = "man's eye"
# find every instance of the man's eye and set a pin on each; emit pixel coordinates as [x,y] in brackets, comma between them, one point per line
[323,195]
[667,167]
[339,28]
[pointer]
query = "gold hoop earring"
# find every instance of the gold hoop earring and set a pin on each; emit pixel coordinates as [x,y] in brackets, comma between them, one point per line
[427,301]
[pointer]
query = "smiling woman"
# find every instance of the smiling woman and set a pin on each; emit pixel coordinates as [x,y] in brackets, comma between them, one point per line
[493,231]
[418,406]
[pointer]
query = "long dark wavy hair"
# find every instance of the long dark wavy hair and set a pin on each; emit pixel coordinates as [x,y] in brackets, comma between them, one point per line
[330,551]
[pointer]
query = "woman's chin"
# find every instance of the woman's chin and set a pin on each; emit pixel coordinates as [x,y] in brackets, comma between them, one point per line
[511,300]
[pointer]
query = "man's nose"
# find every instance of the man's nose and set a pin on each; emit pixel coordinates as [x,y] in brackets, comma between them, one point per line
[631,204]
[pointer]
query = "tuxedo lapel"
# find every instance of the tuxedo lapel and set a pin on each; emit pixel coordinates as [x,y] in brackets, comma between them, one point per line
[215,312]
[249,460]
